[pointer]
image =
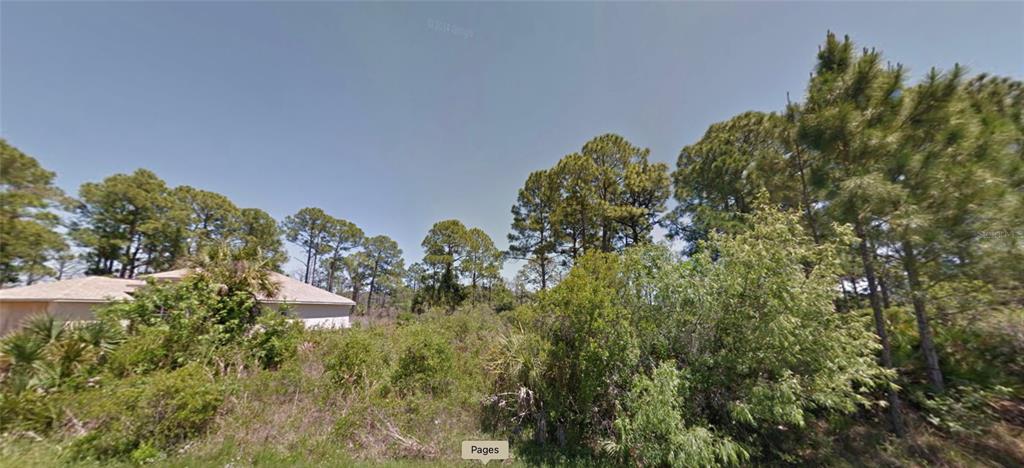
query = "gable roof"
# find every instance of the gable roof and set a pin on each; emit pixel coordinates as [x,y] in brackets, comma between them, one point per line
[87,289]
[294,291]
[290,290]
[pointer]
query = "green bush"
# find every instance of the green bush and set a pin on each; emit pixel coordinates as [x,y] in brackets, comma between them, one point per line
[135,416]
[425,362]
[27,411]
[593,348]
[963,410]
[47,354]
[750,317]
[142,353]
[357,358]
[273,339]
[652,432]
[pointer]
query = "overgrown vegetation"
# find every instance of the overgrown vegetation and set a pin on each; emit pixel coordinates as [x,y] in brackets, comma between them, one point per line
[849,293]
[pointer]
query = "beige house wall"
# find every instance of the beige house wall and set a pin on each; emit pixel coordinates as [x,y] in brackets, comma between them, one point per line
[12,314]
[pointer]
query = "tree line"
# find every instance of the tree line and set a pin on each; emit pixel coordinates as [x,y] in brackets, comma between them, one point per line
[923,173]
[132,224]
[929,175]
[605,197]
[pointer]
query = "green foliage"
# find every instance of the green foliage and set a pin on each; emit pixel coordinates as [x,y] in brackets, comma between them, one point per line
[145,352]
[425,362]
[259,236]
[27,411]
[534,233]
[594,348]
[722,175]
[927,174]
[454,251]
[273,339]
[47,354]
[341,237]
[605,197]
[358,359]
[325,241]
[652,432]
[27,226]
[965,409]
[383,264]
[210,217]
[139,416]
[750,318]
[128,217]
[134,223]
[208,311]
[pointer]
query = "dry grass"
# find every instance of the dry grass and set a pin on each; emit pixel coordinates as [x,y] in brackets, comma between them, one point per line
[298,409]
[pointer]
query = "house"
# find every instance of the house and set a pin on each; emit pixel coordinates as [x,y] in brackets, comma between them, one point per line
[314,306]
[70,300]
[74,299]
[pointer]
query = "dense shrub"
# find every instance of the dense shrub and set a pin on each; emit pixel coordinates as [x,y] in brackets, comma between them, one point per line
[749,320]
[47,354]
[425,362]
[139,390]
[966,409]
[358,358]
[27,411]
[158,411]
[651,430]
[143,353]
[273,339]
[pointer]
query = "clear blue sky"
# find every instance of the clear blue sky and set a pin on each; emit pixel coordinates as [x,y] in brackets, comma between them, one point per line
[397,115]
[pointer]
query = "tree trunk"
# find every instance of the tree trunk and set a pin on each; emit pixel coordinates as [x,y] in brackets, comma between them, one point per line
[309,260]
[806,197]
[895,406]
[134,259]
[355,295]
[931,356]
[846,297]
[331,271]
[373,284]
[883,285]
[127,252]
[543,272]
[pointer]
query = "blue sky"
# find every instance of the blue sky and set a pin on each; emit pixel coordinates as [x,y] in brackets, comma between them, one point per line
[398,115]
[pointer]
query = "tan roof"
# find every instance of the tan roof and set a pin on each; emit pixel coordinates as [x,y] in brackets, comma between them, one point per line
[87,289]
[291,290]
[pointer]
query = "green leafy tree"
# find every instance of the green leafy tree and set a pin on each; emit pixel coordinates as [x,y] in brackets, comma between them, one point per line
[445,246]
[357,269]
[534,235]
[384,263]
[719,178]
[853,102]
[646,189]
[605,197]
[483,261]
[259,236]
[578,214]
[631,192]
[211,217]
[27,221]
[342,236]
[725,356]
[128,222]
[310,229]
